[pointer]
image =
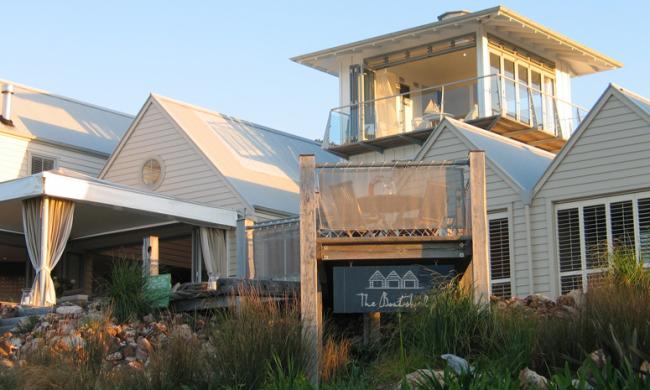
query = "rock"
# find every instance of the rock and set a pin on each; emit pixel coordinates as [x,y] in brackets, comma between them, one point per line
[72,342]
[114,357]
[129,350]
[458,364]
[136,365]
[183,331]
[645,368]
[148,318]
[529,379]
[16,342]
[69,310]
[578,297]
[128,333]
[566,300]
[421,377]
[6,363]
[145,345]
[538,301]
[599,358]
[6,347]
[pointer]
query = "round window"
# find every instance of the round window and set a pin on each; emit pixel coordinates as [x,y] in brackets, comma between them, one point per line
[151,172]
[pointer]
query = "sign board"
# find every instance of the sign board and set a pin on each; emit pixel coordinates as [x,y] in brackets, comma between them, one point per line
[366,289]
[158,290]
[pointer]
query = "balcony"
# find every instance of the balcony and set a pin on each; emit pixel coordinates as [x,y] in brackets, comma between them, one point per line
[495,103]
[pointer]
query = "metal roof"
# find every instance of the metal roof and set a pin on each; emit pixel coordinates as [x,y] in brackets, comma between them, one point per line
[259,162]
[499,21]
[56,119]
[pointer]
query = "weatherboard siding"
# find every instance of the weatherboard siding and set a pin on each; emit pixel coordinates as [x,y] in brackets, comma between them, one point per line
[500,197]
[187,174]
[16,152]
[611,156]
[406,152]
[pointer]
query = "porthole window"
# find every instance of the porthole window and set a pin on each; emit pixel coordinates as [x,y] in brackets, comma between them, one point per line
[151,172]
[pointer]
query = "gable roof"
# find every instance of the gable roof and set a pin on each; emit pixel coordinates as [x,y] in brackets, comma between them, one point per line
[581,59]
[520,164]
[41,115]
[635,102]
[259,163]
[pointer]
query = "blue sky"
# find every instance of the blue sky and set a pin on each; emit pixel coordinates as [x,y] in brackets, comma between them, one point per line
[233,57]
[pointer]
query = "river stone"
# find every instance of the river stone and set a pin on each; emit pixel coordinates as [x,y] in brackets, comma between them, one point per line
[69,310]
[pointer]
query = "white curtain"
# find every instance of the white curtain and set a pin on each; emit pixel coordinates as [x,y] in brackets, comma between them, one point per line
[47,223]
[213,248]
[386,84]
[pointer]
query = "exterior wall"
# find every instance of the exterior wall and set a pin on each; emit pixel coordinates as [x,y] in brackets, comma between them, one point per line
[15,157]
[186,173]
[610,157]
[501,197]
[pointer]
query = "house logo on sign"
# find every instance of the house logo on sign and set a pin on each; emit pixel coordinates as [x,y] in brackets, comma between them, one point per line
[393,281]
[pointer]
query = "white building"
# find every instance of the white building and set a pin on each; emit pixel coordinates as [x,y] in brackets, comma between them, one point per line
[497,81]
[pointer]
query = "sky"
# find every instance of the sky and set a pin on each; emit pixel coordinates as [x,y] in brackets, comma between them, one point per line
[233,57]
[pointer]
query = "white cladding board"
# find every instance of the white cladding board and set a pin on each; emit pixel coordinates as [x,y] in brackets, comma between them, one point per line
[610,156]
[16,152]
[406,152]
[500,196]
[187,175]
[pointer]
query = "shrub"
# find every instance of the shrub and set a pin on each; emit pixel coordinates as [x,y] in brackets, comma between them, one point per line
[244,341]
[126,292]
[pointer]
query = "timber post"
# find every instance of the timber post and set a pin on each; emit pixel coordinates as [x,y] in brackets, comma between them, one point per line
[250,249]
[310,292]
[150,255]
[479,268]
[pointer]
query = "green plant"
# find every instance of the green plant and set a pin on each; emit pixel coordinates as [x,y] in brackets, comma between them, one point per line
[243,341]
[179,362]
[126,291]
[28,324]
[285,376]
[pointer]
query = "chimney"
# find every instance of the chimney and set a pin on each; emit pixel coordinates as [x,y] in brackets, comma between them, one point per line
[7,92]
[452,14]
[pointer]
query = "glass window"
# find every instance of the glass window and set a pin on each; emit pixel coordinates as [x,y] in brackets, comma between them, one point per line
[525,101]
[495,69]
[622,220]
[595,230]
[151,172]
[644,229]
[536,91]
[509,82]
[499,237]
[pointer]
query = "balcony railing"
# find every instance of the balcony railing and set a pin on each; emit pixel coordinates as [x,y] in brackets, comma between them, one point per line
[471,99]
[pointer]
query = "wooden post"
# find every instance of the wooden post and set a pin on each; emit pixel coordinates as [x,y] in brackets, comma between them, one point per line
[250,250]
[480,265]
[197,259]
[150,255]
[310,293]
[371,327]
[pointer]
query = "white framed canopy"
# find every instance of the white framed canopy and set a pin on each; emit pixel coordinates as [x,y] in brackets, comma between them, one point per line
[54,207]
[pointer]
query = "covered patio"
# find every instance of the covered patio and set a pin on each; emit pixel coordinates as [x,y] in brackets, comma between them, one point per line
[54,211]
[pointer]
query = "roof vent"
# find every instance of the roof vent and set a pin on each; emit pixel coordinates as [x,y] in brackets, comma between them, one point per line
[452,14]
[7,92]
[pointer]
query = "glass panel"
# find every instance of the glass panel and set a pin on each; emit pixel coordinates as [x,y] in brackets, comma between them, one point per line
[495,69]
[571,282]
[501,290]
[536,91]
[509,81]
[644,229]
[568,228]
[524,96]
[622,221]
[550,123]
[595,231]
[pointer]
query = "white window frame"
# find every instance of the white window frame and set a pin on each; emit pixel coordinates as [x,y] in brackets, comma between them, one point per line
[55,160]
[580,205]
[495,216]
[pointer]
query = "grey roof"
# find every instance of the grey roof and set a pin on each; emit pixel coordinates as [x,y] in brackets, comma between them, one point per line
[259,162]
[522,163]
[42,115]
[640,101]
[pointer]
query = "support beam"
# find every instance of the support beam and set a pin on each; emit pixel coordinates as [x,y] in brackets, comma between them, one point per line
[310,291]
[150,255]
[371,147]
[250,250]
[371,328]
[480,265]
[484,98]
[197,258]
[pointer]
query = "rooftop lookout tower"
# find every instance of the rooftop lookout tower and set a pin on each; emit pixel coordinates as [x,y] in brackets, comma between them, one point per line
[494,69]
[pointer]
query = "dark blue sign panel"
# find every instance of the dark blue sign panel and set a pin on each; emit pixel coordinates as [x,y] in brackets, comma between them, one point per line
[367,289]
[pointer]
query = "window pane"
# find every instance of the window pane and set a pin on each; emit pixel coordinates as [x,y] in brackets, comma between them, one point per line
[570,282]
[495,69]
[644,229]
[509,81]
[595,228]
[536,90]
[524,97]
[622,220]
[499,249]
[568,228]
[549,104]
[501,290]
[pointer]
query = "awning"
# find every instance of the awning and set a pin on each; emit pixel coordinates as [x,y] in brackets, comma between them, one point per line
[104,207]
